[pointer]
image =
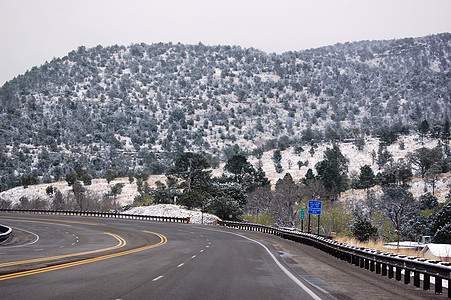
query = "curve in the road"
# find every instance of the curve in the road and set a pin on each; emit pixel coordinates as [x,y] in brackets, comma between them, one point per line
[27,242]
[163,240]
[121,244]
[52,220]
[196,262]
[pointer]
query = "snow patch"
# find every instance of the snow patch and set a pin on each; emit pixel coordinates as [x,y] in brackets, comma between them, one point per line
[171,210]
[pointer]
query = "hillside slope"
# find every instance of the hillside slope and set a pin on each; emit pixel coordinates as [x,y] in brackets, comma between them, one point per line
[357,158]
[136,107]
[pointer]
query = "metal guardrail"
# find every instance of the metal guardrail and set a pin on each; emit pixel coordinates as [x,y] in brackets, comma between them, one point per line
[98,214]
[5,233]
[386,264]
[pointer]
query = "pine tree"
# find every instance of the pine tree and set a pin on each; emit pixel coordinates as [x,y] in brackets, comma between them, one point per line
[332,171]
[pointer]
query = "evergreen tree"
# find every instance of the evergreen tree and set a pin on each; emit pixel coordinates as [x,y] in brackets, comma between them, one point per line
[363,230]
[227,201]
[110,174]
[446,133]
[423,129]
[308,177]
[367,178]
[71,178]
[190,169]
[332,172]
[240,168]
[442,225]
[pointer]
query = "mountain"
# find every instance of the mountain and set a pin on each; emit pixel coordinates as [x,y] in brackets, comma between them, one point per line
[136,107]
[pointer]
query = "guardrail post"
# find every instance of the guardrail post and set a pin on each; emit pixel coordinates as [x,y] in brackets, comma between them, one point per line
[438,285]
[390,271]
[384,269]
[449,288]
[406,276]
[416,278]
[426,281]
[398,273]
[378,267]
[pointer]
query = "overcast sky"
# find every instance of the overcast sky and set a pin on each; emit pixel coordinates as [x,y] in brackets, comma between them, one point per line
[33,31]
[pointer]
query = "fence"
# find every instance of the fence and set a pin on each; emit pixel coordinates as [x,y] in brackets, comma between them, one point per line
[115,215]
[387,264]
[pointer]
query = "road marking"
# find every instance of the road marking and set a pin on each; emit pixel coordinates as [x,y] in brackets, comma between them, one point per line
[27,244]
[163,240]
[181,265]
[38,249]
[201,251]
[121,244]
[285,270]
[158,278]
[194,256]
[51,220]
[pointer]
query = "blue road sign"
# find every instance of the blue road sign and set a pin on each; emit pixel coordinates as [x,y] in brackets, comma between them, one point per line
[314,207]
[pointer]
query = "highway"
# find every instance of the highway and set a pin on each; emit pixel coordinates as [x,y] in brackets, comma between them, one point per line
[62,257]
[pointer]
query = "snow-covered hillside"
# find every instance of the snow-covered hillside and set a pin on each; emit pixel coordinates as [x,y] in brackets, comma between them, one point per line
[357,158]
[134,107]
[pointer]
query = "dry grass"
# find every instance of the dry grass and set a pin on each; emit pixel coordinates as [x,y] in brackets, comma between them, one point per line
[379,245]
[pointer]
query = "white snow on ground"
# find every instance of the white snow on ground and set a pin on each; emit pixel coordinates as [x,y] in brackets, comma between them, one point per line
[357,158]
[170,210]
[98,186]
[438,250]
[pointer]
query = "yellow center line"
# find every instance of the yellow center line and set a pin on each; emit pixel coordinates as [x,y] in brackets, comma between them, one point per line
[52,220]
[121,244]
[163,240]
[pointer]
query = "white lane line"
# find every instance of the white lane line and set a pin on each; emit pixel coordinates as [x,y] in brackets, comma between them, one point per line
[27,244]
[181,265]
[158,278]
[39,250]
[285,270]
[207,246]
[201,250]
[194,256]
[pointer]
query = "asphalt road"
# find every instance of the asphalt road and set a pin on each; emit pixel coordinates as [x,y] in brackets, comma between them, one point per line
[60,257]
